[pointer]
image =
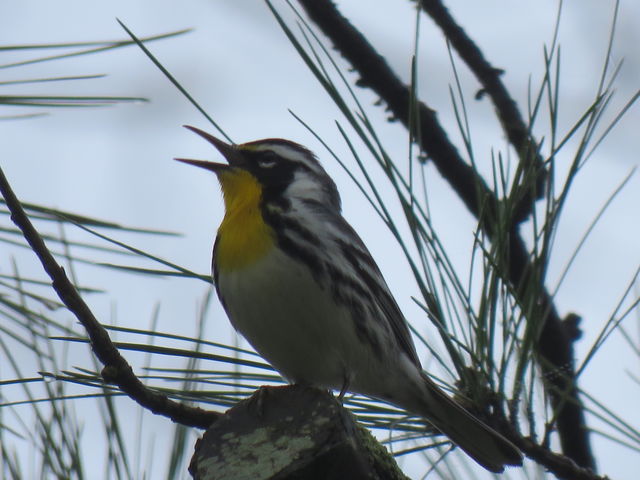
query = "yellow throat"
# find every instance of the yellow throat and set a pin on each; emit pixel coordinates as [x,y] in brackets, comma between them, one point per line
[243,237]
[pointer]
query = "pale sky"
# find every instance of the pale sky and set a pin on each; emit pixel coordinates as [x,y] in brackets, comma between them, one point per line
[116,163]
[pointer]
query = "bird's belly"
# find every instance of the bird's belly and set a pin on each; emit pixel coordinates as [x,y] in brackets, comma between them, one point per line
[294,323]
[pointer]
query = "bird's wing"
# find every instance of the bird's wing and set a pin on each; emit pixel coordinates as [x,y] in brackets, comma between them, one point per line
[360,259]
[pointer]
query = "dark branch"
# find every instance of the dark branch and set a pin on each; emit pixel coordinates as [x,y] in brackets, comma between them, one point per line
[556,358]
[560,465]
[555,347]
[116,369]
[506,109]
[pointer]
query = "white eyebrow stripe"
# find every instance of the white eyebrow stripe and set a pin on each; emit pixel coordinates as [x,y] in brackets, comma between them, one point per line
[294,152]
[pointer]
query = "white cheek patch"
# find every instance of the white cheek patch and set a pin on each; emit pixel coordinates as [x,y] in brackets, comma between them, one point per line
[304,186]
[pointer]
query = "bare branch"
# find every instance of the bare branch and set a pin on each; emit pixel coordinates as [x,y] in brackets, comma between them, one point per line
[116,369]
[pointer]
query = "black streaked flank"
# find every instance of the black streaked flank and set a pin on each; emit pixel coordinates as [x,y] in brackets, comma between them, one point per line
[358,256]
[345,289]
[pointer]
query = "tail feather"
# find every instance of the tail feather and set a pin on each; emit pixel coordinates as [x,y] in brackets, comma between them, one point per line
[478,440]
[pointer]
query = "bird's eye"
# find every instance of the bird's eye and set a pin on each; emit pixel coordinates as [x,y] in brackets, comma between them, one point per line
[267,160]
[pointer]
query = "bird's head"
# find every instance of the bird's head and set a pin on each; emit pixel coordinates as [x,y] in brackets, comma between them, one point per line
[278,170]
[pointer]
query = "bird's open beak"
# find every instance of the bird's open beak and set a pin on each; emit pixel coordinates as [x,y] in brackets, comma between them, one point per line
[229,152]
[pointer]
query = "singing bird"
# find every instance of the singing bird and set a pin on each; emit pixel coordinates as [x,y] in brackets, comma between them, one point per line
[299,284]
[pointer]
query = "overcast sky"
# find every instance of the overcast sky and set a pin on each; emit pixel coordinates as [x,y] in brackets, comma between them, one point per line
[115,163]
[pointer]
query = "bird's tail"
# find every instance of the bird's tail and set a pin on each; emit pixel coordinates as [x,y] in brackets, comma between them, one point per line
[478,440]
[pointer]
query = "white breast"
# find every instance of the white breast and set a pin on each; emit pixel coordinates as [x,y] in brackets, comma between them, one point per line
[295,324]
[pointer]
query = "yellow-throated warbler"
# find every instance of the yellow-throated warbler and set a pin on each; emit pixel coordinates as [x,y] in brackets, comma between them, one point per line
[298,282]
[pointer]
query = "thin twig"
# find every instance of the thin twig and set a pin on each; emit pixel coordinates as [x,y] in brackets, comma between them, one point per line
[116,369]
